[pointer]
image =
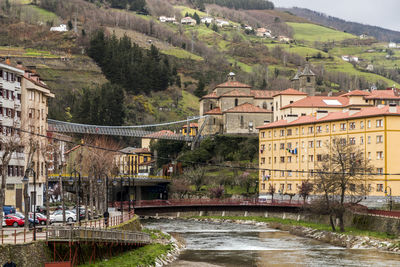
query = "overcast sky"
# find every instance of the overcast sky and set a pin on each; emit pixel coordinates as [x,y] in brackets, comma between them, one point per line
[383,13]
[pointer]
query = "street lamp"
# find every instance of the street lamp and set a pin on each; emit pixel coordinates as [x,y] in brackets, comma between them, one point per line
[78,188]
[25,180]
[390,197]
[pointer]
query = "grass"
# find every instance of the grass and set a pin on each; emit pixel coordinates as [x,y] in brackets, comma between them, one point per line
[189,10]
[189,101]
[311,33]
[180,53]
[144,256]
[28,52]
[241,65]
[36,14]
[317,226]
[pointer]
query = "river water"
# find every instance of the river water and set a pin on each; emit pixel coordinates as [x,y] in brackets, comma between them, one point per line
[229,244]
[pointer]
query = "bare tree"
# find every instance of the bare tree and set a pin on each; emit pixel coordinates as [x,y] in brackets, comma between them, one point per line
[180,186]
[10,143]
[33,146]
[344,173]
[271,191]
[196,176]
[305,189]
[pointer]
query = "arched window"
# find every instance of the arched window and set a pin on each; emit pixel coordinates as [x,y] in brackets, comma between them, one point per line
[236,102]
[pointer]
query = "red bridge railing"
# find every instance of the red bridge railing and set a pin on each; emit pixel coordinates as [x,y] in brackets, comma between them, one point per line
[386,213]
[216,202]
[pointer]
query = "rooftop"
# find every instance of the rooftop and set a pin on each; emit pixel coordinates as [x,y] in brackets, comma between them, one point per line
[215,111]
[233,84]
[320,101]
[290,91]
[247,108]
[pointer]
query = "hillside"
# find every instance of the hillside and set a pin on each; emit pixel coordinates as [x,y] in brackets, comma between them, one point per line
[379,33]
[202,52]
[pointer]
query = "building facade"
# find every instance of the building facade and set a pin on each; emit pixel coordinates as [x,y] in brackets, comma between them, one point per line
[10,121]
[290,149]
[134,161]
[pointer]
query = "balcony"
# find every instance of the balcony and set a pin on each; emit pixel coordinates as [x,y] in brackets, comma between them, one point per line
[17,104]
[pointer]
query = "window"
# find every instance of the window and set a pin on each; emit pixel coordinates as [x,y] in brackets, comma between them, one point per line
[282,133]
[263,186]
[289,145]
[379,170]
[311,158]
[310,129]
[262,160]
[282,159]
[352,187]
[343,126]
[297,131]
[310,144]
[289,186]
[274,146]
[269,160]
[289,159]
[274,159]
[379,123]
[361,125]
[379,139]
[352,125]
[343,141]
[361,140]
[269,147]
[327,128]
[352,140]
[282,173]
[369,124]
[318,129]
[274,133]
[369,155]
[302,130]
[333,127]
[319,157]
[263,134]
[379,155]
[302,144]
[379,188]
[302,158]
[369,139]
[236,102]
[281,187]
[318,143]
[282,146]
[269,133]
[289,132]
[262,148]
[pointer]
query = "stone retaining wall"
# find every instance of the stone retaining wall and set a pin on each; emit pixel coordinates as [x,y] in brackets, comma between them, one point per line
[30,254]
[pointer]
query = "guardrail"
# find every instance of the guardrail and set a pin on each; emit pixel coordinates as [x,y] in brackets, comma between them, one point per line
[216,202]
[384,213]
[73,234]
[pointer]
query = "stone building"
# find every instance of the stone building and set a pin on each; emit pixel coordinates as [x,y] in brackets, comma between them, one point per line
[234,108]
[304,81]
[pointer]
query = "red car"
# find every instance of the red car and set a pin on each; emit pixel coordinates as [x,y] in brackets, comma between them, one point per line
[15,221]
[40,217]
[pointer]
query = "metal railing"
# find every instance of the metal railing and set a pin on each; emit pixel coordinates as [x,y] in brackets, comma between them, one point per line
[217,202]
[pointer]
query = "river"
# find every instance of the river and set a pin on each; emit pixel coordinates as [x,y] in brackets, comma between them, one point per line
[229,244]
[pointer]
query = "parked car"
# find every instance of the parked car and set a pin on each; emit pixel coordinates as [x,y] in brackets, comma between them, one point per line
[41,209]
[12,220]
[57,216]
[82,213]
[40,217]
[22,216]
[8,209]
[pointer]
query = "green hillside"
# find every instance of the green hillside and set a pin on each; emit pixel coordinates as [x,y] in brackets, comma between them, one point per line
[315,33]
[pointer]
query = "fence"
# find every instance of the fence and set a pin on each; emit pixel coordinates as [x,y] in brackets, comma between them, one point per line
[217,202]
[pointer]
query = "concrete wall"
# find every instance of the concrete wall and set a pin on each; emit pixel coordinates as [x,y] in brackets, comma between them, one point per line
[32,254]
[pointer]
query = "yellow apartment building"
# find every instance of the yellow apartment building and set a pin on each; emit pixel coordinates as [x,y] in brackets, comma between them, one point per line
[133,158]
[298,143]
[193,129]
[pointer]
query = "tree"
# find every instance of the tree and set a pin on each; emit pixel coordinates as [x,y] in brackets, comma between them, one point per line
[305,190]
[271,191]
[196,176]
[247,181]
[180,186]
[166,150]
[196,18]
[199,92]
[70,26]
[214,27]
[342,179]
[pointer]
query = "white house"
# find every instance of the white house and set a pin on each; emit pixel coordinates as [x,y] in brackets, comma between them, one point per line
[392,45]
[61,28]
[207,20]
[221,23]
[364,36]
[247,27]
[350,58]
[167,19]
[263,32]
[188,21]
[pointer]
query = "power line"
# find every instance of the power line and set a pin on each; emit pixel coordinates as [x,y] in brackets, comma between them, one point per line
[204,163]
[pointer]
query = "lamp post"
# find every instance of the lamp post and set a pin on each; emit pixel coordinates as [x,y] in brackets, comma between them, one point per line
[25,180]
[78,188]
[390,197]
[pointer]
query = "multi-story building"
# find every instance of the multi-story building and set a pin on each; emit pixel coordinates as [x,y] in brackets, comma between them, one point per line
[10,120]
[134,161]
[34,101]
[192,129]
[290,149]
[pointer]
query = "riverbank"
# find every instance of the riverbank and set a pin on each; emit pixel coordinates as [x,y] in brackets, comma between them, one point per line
[352,238]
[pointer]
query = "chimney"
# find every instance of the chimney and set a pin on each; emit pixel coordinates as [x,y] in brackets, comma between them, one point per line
[321,114]
[291,117]
[353,111]
[392,108]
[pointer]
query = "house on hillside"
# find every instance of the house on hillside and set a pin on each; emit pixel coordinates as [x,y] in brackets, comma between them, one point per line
[364,36]
[284,39]
[350,58]
[248,27]
[207,20]
[263,32]
[61,28]
[167,19]
[221,23]
[188,21]
[392,45]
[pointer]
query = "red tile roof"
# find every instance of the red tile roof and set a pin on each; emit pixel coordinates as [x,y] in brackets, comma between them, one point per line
[290,91]
[318,101]
[357,93]
[335,116]
[215,111]
[236,93]
[233,84]
[263,93]
[247,108]
[210,95]
[383,94]
[192,125]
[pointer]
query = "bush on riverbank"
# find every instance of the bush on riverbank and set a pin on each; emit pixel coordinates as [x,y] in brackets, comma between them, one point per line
[317,226]
[144,256]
